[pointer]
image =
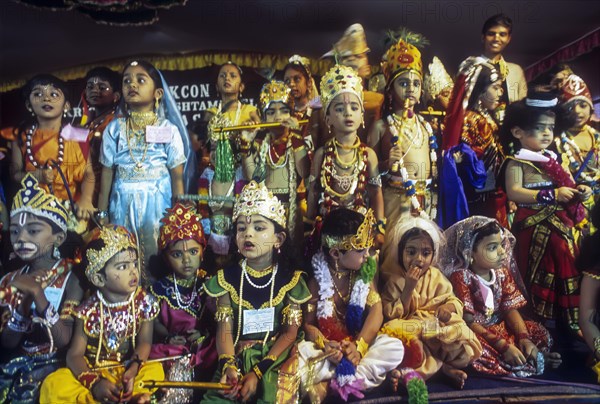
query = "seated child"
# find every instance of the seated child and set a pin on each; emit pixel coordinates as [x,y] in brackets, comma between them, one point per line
[418,302]
[180,327]
[344,314]
[258,305]
[36,299]
[478,261]
[113,329]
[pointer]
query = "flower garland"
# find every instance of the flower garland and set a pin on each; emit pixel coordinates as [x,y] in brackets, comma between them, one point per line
[359,182]
[345,381]
[395,124]
[568,145]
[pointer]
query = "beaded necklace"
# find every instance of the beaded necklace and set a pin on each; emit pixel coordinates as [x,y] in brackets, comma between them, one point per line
[135,129]
[29,152]
[114,337]
[567,144]
[181,303]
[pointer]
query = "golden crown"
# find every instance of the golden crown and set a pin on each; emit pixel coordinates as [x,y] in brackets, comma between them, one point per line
[180,223]
[274,91]
[36,201]
[340,79]
[256,199]
[353,42]
[399,58]
[437,80]
[362,239]
[116,239]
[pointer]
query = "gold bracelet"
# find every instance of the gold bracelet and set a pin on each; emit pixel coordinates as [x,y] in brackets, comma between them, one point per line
[256,370]
[272,357]
[362,347]
[223,314]
[320,341]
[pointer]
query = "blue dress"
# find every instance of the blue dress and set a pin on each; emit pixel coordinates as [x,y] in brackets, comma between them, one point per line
[141,190]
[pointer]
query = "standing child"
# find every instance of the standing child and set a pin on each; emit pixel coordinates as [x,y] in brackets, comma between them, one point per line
[478,261]
[344,314]
[143,151]
[39,296]
[403,140]
[344,172]
[419,304]
[549,207]
[113,329]
[181,326]
[258,304]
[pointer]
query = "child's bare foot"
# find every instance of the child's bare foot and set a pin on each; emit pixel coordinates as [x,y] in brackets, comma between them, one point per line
[456,376]
[395,376]
[140,399]
[552,360]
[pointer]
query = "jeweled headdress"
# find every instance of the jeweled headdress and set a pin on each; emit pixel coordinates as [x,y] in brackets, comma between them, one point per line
[256,199]
[36,201]
[115,238]
[274,91]
[436,80]
[575,89]
[180,223]
[340,79]
[403,55]
[302,62]
[362,239]
[353,42]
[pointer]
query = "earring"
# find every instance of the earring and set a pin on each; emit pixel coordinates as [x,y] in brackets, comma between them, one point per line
[56,253]
[31,111]
[363,122]
[156,104]
[65,113]
[471,261]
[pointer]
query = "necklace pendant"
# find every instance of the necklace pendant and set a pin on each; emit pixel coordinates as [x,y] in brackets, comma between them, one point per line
[139,166]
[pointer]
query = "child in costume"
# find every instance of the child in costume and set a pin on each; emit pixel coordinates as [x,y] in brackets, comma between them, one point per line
[588,263]
[38,296]
[473,153]
[420,306]
[579,143]
[113,329]
[344,313]
[181,326]
[144,150]
[437,88]
[403,140]
[478,261]
[39,147]
[344,172]
[549,207]
[258,305]
[280,159]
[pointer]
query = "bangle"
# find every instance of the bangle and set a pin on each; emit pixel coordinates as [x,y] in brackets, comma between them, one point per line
[258,372]
[134,361]
[362,347]
[88,379]
[261,367]
[223,314]
[320,341]
[50,315]
[101,214]
[546,197]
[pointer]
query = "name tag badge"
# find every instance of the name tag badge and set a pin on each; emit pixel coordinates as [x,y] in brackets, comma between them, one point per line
[258,321]
[158,134]
[76,134]
[53,295]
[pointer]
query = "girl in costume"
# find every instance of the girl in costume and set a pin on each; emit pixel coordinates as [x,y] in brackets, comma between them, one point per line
[403,140]
[181,326]
[344,313]
[280,158]
[478,261]
[579,143]
[113,329]
[549,207]
[38,296]
[473,154]
[344,172]
[39,147]
[258,305]
[144,150]
[588,263]
[419,305]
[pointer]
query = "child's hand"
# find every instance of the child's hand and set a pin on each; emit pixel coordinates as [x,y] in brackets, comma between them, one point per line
[444,313]
[333,346]
[128,379]
[193,336]
[27,285]
[250,134]
[585,192]
[513,356]
[48,175]
[104,390]
[351,352]
[231,377]
[565,194]
[291,123]
[177,340]
[84,210]
[412,277]
[395,154]
[458,157]
[249,384]
[529,349]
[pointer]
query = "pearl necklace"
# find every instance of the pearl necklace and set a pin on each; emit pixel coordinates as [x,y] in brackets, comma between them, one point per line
[245,273]
[181,303]
[491,281]
[28,151]
[116,304]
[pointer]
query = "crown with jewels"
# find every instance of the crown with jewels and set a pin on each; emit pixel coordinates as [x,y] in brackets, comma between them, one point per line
[180,223]
[404,55]
[115,238]
[338,80]
[274,91]
[302,62]
[575,89]
[256,199]
[36,201]
[437,80]
[362,239]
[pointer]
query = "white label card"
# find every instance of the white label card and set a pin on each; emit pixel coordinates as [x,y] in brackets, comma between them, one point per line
[69,132]
[158,134]
[258,321]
